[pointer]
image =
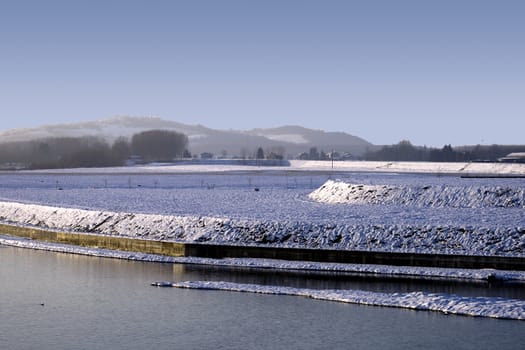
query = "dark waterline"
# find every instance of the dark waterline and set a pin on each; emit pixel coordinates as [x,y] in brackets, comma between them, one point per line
[356,281]
[96,303]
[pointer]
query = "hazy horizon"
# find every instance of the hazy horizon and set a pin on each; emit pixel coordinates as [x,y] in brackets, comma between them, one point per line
[434,73]
[77,124]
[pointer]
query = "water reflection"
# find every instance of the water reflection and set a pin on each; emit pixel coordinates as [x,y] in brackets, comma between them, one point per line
[331,280]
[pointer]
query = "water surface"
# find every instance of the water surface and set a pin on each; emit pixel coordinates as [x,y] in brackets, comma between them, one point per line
[61,301]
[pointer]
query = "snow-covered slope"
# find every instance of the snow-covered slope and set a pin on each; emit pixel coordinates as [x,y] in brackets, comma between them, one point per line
[317,138]
[468,240]
[201,139]
[423,196]
[109,129]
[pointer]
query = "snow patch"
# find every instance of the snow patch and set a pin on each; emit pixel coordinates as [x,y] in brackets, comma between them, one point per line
[290,138]
[197,137]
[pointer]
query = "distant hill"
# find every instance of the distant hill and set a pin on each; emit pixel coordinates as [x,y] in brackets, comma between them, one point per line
[291,139]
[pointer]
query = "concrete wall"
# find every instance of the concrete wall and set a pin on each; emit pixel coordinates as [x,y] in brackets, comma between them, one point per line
[97,241]
[226,251]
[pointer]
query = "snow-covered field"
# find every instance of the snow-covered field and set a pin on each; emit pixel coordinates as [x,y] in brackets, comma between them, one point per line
[418,211]
[387,212]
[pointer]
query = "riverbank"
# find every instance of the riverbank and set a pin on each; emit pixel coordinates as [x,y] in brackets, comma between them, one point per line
[91,301]
[370,270]
[218,251]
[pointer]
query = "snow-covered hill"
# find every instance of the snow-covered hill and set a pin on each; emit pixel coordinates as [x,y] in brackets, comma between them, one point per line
[301,136]
[291,139]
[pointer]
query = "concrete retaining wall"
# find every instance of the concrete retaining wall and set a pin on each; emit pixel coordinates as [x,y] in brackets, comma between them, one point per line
[97,241]
[228,251]
[358,257]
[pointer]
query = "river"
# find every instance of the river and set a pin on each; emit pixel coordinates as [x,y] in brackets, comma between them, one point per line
[60,301]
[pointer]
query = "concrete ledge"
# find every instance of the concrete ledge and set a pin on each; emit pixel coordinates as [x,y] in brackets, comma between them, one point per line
[358,257]
[97,241]
[230,251]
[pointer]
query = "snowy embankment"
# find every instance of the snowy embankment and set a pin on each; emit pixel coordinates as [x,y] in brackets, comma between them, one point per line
[442,239]
[448,304]
[422,196]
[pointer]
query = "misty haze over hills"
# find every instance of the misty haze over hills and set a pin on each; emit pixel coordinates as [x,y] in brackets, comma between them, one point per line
[291,140]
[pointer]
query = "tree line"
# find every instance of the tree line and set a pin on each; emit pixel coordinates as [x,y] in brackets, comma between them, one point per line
[405,151]
[90,151]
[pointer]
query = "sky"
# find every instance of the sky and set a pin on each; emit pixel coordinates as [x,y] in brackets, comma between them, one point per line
[431,72]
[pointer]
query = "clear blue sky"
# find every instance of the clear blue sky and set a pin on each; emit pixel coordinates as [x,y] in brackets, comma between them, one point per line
[433,72]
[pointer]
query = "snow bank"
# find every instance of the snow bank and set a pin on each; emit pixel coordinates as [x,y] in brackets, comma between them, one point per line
[421,196]
[441,239]
[446,303]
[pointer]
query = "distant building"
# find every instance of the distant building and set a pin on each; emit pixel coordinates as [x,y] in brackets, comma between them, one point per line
[517,157]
